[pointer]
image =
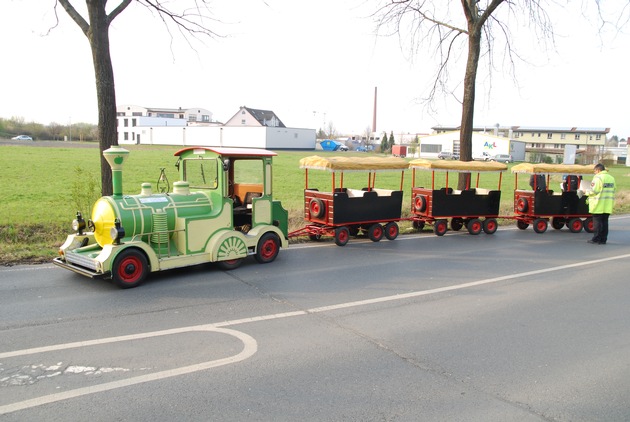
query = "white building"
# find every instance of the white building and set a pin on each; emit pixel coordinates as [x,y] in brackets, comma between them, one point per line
[248,128]
[431,145]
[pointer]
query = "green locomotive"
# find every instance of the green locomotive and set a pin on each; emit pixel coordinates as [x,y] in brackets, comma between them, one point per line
[221,210]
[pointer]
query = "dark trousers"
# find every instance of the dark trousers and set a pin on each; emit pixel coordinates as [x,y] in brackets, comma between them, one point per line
[600,223]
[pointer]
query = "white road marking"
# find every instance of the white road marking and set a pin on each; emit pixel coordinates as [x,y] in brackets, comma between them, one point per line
[250,345]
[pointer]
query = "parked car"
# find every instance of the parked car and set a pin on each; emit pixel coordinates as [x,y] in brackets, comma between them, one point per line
[446,155]
[22,138]
[343,148]
[503,158]
[483,157]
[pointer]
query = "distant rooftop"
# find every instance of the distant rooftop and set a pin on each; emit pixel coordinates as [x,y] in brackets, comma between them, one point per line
[573,129]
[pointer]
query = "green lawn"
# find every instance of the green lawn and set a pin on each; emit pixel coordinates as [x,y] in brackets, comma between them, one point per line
[42,187]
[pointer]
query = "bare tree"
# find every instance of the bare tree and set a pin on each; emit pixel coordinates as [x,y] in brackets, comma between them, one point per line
[433,23]
[367,134]
[188,22]
[331,131]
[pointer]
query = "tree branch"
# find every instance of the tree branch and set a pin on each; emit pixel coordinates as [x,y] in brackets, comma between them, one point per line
[76,17]
[122,6]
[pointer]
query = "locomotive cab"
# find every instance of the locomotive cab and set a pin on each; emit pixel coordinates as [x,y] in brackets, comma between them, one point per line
[237,178]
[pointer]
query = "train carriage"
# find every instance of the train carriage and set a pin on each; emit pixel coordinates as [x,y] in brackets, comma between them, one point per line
[342,211]
[222,210]
[474,207]
[539,205]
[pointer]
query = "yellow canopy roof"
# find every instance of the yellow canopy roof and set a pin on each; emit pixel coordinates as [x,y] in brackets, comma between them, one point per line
[334,164]
[552,168]
[458,166]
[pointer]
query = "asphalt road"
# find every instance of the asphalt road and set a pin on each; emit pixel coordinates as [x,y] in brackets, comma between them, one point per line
[515,326]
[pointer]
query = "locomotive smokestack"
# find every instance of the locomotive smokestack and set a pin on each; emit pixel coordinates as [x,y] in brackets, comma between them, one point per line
[374,115]
[116,156]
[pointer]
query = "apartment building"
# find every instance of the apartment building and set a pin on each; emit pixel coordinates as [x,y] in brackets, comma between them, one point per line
[549,141]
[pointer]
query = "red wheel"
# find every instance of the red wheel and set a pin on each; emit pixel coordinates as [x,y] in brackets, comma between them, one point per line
[440,227]
[317,208]
[391,230]
[420,203]
[540,225]
[130,268]
[375,232]
[575,225]
[522,205]
[268,248]
[474,226]
[490,225]
[588,225]
[342,235]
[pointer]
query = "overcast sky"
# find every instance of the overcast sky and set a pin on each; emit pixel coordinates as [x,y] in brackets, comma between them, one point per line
[311,62]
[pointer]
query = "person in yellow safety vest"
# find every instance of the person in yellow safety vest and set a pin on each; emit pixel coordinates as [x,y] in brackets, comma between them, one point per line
[601,199]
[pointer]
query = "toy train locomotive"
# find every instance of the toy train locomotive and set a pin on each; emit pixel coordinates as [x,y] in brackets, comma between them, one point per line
[232,214]
[222,210]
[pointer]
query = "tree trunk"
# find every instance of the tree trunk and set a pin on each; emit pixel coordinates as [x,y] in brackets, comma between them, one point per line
[468,103]
[98,36]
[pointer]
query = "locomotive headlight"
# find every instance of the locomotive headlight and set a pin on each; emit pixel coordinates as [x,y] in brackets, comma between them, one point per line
[117,232]
[78,224]
[103,216]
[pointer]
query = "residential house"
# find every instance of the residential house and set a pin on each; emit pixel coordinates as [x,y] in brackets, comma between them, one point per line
[249,128]
[253,117]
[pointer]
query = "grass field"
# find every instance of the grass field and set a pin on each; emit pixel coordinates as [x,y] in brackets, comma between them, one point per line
[41,189]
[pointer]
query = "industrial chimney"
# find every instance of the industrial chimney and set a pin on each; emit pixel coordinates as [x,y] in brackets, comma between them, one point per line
[374,116]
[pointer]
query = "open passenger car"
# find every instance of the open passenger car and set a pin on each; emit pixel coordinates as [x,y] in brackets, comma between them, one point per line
[436,204]
[538,206]
[342,211]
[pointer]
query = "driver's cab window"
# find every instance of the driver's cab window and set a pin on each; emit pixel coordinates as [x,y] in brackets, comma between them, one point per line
[200,173]
[248,172]
[247,181]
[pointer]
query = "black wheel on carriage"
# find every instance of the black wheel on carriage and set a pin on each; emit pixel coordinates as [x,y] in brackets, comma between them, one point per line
[540,225]
[375,232]
[418,224]
[317,208]
[521,224]
[490,225]
[315,237]
[557,223]
[440,227]
[588,225]
[130,268]
[342,235]
[474,226]
[575,225]
[268,248]
[457,223]
[391,230]
[522,205]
